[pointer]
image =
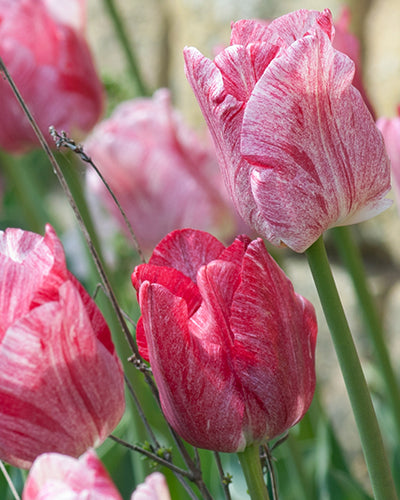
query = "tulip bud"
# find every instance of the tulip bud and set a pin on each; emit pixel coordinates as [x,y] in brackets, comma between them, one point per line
[61,382]
[298,148]
[163,175]
[231,345]
[43,46]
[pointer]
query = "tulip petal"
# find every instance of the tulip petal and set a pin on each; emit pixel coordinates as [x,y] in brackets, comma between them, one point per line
[61,407]
[274,342]
[305,127]
[186,250]
[62,477]
[208,398]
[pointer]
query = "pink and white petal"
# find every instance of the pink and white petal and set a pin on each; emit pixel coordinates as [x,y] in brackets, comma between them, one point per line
[272,347]
[186,250]
[224,115]
[197,391]
[286,29]
[248,31]
[317,137]
[68,394]
[154,488]
[69,478]
[27,260]
[390,128]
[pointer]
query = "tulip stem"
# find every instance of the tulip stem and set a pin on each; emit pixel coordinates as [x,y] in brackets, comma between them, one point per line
[356,385]
[351,256]
[251,466]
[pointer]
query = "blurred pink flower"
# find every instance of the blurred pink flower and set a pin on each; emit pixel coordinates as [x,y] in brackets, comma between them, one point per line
[55,476]
[230,343]
[163,176]
[349,44]
[43,46]
[154,488]
[390,128]
[298,148]
[61,382]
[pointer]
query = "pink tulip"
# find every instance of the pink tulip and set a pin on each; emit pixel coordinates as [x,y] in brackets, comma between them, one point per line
[163,176]
[390,128]
[231,345]
[348,43]
[61,382]
[154,488]
[54,476]
[44,48]
[298,148]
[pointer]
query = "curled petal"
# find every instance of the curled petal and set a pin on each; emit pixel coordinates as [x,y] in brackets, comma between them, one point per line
[320,160]
[196,387]
[58,476]
[64,406]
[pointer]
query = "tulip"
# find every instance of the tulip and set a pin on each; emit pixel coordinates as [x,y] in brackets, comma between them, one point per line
[390,128]
[230,344]
[154,488]
[349,44]
[59,476]
[55,476]
[162,174]
[45,50]
[61,382]
[298,148]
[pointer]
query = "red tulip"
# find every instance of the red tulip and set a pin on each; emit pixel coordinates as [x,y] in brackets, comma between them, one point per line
[46,53]
[298,148]
[162,174]
[231,345]
[61,382]
[390,128]
[55,476]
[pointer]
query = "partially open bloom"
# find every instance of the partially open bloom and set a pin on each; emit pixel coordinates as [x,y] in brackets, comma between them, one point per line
[45,50]
[298,148]
[162,174]
[390,128]
[230,343]
[154,488]
[61,382]
[55,476]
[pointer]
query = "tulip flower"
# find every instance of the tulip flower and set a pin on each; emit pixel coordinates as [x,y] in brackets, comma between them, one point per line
[349,44]
[230,344]
[61,382]
[55,476]
[154,488]
[298,148]
[45,50]
[162,174]
[390,128]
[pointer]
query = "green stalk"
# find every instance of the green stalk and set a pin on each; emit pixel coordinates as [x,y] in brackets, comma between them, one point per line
[351,256]
[126,47]
[360,398]
[251,466]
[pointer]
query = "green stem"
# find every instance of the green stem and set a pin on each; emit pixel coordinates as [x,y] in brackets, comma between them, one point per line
[251,466]
[127,48]
[351,256]
[360,398]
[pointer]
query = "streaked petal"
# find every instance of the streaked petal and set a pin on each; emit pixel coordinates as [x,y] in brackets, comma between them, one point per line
[323,156]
